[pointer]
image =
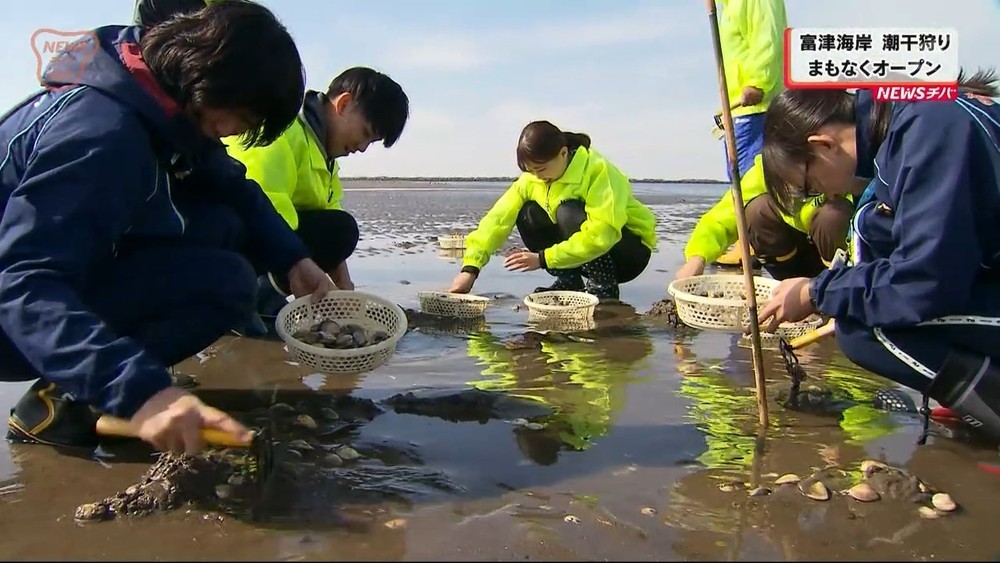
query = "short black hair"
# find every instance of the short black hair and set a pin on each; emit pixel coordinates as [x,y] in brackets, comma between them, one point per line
[154,12]
[382,101]
[231,55]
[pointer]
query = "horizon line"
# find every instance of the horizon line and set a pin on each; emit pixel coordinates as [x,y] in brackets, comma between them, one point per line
[512,178]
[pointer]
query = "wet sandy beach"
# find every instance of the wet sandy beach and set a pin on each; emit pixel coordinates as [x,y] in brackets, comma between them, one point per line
[652,425]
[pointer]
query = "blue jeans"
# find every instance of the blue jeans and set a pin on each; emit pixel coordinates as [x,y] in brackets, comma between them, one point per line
[749,130]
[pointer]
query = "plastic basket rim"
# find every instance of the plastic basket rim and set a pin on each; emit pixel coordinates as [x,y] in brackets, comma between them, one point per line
[467,297]
[388,343]
[529,303]
[443,238]
[675,291]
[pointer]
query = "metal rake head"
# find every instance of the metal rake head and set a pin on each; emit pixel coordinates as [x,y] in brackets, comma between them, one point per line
[264,454]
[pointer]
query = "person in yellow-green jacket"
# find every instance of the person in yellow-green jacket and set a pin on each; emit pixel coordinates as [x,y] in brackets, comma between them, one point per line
[751,33]
[788,246]
[575,213]
[299,172]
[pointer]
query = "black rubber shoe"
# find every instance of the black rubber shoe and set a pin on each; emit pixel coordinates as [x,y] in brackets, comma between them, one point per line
[45,415]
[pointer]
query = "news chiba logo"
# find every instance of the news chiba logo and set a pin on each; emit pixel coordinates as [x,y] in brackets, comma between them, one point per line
[897,64]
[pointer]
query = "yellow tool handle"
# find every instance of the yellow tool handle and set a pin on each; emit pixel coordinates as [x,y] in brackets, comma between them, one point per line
[109,425]
[810,337]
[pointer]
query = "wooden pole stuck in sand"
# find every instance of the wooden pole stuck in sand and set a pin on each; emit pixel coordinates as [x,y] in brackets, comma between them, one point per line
[741,222]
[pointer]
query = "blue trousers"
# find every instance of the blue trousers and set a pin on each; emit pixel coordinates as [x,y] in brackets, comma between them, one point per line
[913,356]
[175,297]
[749,130]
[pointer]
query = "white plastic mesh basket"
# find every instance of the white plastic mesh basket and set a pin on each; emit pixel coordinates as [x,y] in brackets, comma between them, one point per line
[458,305]
[718,302]
[451,253]
[452,241]
[363,309]
[788,331]
[566,306]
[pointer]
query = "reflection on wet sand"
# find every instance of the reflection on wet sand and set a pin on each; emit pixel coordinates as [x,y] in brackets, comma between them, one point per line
[632,439]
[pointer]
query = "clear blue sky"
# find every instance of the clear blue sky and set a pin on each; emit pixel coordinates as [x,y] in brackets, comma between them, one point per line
[638,75]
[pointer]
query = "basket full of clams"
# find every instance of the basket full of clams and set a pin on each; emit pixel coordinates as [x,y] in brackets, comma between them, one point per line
[345,332]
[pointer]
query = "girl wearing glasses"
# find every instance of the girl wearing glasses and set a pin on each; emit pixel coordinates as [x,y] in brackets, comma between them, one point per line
[921,302]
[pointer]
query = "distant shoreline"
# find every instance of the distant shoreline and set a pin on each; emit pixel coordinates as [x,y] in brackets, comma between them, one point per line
[475,179]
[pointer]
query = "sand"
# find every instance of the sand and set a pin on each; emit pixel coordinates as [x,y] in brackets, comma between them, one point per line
[649,422]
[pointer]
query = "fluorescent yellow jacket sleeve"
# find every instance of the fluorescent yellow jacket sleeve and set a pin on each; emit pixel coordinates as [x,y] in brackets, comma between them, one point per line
[765,27]
[605,203]
[494,227]
[716,230]
[752,34]
[273,167]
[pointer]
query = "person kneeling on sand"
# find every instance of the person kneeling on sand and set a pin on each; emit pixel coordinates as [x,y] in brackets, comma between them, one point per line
[125,222]
[788,245]
[921,303]
[299,172]
[575,213]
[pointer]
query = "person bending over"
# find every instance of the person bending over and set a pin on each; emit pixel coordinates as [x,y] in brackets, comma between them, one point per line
[921,303]
[299,172]
[575,213]
[125,222]
[788,245]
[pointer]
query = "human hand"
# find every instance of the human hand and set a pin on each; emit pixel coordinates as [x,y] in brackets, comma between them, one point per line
[306,277]
[462,283]
[789,303]
[523,262]
[695,266]
[751,96]
[172,420]
[341,277]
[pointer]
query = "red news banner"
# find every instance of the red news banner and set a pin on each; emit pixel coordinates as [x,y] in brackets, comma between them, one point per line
[897,64]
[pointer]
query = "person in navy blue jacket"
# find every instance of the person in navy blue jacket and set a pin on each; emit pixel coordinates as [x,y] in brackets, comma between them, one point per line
[921,303]
[125,222]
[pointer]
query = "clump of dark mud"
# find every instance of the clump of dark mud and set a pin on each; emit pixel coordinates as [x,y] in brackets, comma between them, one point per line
[309,433]
[176,480]
[467,405]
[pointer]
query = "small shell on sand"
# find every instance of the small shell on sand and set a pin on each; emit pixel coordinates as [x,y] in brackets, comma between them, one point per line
[347,453]
[760,491]
[943,502]
[928,512]
[863,492]
[869,466]
[787,479]
[816,491]
[648,511]
[571,519]
[306,421]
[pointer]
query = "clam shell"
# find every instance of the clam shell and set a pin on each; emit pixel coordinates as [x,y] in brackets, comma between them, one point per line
[306,421]
[870,466]
[347,453]
[300,445]
[330,327]
[943,502]
[816,491]
[928,512]
[787,479]
[863,492]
